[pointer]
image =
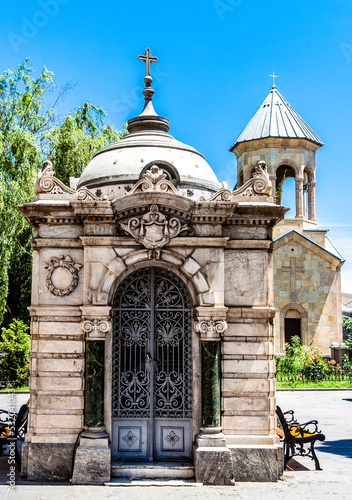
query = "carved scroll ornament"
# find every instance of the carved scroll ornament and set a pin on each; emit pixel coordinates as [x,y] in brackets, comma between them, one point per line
[95,328]
[47,183]
[210,329]
[154,179]
[259,184]
[154,229]
[67,264]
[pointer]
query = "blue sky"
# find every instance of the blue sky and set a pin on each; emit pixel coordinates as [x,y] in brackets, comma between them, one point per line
[212,74]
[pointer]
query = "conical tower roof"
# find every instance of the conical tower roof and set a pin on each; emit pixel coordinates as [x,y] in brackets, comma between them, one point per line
[275,117]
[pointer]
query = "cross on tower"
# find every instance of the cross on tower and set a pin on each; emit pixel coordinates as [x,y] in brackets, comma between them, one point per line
[148,59]
[273,77]
[293,269]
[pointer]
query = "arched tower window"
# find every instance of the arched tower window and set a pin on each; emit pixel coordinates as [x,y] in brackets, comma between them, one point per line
[308,194]
[283,174]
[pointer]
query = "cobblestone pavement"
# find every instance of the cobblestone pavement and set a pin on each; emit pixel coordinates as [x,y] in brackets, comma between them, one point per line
[333,410]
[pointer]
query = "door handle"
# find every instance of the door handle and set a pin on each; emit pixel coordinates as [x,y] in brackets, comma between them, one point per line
[152,361]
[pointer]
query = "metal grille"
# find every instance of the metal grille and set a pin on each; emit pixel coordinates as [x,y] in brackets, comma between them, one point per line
[152,371]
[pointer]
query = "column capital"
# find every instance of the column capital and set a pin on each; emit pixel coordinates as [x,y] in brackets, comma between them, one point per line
[95,328]
[210,329]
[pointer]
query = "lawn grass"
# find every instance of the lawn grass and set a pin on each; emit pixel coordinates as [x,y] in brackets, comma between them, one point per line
[21,388]
[328,384]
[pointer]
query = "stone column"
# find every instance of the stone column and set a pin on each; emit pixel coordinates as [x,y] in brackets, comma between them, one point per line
[299,197]
[92,463]
[211,443]
[272,178]
[311,201]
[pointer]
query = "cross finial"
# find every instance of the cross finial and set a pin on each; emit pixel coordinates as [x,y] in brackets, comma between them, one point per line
[273,77]
[148,59]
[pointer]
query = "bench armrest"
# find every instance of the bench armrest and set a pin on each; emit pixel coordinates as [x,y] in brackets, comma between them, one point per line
[291,414]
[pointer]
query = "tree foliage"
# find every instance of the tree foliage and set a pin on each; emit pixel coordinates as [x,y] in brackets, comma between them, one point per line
[14,348]
[31,131]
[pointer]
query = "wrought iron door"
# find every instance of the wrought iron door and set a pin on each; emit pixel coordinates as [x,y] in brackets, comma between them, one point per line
[152,373]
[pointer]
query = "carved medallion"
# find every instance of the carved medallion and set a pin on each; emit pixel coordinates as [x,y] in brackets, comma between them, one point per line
[62,275]
[154,229]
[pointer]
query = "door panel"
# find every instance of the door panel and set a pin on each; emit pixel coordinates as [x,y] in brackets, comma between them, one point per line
[152,374]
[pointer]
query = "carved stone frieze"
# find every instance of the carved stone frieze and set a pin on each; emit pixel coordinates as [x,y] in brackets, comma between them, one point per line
[210,329]
[95,328]
[154,229]
[154,179]
[62,275]
[47,183]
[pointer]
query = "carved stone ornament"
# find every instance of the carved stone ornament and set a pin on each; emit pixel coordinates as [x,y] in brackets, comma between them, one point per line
[154,229]
[62,275]
[47,183]
[259,184]
[84,194]
[95,328]
[154,179]
[210,329]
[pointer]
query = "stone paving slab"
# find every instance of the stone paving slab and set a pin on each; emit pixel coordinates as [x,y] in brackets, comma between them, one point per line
[333,410]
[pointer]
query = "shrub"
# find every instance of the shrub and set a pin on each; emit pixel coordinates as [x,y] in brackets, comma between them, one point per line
[14,346]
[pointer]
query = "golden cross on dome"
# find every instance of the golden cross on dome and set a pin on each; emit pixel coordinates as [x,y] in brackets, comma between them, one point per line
[148,59]
[273,77]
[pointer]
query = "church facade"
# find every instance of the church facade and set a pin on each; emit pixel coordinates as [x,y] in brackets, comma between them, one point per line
[152,317]
[307,279]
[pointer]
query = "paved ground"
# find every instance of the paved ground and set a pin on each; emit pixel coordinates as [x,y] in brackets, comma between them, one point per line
[333,409]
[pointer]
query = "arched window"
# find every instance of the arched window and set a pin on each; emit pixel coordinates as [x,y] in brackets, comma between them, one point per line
[284,174]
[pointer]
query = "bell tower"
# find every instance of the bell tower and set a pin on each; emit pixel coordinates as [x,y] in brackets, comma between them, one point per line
[277,135]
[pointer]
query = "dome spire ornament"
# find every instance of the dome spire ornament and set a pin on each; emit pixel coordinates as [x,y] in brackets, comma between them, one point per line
[148,119]
[148,92]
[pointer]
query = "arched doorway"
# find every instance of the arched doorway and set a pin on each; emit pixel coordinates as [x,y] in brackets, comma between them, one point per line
[152,368]
[292,325]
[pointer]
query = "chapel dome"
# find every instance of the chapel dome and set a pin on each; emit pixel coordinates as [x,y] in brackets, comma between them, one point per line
[118,166]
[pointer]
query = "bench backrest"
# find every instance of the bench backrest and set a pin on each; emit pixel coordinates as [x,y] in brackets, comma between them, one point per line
[284,425]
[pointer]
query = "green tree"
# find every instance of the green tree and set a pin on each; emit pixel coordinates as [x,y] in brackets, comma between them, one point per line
[31,131]
[72,143]
[14,348]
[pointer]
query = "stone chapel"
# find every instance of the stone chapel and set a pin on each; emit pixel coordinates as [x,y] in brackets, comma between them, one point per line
[307,279]
[152,311]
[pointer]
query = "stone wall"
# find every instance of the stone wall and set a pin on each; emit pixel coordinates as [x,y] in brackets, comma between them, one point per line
[307,279]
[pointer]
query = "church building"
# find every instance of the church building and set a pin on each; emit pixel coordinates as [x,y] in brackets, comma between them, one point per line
[152,309]
[307,280]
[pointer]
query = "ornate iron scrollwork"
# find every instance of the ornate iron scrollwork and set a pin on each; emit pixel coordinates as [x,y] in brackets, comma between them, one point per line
[152,335]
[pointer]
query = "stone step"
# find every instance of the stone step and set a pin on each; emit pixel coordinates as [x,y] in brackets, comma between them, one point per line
[152,470]
[152,482]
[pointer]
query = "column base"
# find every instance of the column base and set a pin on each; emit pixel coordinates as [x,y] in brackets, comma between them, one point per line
[257,463]
[92,463]
[213,466]
[212,458]
[47,461]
